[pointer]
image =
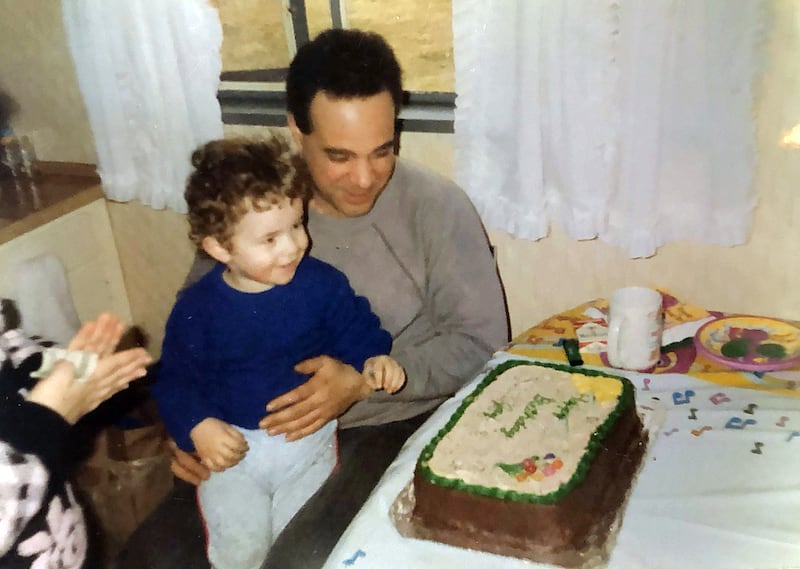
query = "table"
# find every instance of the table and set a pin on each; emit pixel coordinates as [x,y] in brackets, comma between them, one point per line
[719,488]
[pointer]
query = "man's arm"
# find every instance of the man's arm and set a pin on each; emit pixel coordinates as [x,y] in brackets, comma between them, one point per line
[464,319]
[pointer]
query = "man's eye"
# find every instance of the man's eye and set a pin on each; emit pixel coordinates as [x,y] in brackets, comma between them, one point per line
[337,157]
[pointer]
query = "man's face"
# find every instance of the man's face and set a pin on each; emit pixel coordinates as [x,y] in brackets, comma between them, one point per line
[350,152]
[266,247]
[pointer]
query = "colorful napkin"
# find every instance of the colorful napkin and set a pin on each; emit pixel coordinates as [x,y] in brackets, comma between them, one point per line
[587,323]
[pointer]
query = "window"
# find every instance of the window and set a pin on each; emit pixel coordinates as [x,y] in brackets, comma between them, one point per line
[260,39]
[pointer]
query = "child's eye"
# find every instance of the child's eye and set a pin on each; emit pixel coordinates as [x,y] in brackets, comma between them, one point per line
[297,225]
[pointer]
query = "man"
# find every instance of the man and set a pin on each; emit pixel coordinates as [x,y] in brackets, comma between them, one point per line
[408,240]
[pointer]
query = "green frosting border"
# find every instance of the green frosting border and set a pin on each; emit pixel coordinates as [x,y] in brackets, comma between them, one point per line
[626,401]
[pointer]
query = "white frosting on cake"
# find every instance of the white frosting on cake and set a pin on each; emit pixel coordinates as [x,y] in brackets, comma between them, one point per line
[534,421]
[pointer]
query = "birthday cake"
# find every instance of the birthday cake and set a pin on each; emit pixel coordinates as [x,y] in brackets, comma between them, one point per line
[536,463]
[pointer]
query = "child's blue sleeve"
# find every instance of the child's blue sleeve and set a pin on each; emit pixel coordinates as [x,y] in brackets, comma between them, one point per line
[184,366]
[356,330]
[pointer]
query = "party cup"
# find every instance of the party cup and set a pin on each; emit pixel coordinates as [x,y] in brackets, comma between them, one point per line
[635,326]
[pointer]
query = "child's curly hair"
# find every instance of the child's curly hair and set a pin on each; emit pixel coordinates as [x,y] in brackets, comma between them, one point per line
[232,176]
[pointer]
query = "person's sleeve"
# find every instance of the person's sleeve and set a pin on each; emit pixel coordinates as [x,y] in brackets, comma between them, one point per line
[32,447]
[465,319]
[20,354]
[356,330]
[13,379]
[178,387]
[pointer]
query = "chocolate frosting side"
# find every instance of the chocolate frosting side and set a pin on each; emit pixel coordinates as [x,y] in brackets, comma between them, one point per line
[563,533]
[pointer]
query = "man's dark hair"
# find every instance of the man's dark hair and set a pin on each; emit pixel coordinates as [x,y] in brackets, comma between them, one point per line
[345,64]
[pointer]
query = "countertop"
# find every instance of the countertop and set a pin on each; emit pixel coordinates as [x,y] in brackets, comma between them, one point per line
[62,186]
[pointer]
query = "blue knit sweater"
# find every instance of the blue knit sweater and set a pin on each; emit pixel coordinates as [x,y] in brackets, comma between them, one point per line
[227,353]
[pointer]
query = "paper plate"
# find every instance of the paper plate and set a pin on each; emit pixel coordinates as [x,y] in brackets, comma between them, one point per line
[750,343]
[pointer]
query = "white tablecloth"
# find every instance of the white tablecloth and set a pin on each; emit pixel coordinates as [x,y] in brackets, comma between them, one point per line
[720,488]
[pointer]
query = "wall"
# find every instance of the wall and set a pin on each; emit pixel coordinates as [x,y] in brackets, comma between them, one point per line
[37,71]
[540,277]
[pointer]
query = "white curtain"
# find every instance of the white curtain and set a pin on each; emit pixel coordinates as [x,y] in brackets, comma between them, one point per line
[148,71]
[627,120]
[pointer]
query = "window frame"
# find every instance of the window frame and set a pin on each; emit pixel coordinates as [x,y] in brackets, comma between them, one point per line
[258,97]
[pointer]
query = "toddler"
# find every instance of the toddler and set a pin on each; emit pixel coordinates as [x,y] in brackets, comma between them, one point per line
[234,337]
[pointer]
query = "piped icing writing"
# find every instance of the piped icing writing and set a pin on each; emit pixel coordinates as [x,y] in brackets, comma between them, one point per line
[530,411]
[564,408]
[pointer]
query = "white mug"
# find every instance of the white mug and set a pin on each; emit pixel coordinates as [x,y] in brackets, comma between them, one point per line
[635,326]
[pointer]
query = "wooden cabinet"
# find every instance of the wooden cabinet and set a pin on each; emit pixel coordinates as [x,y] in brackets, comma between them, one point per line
[72,224]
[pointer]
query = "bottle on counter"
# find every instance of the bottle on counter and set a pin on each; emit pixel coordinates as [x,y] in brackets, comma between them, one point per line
[7,180]
[18,172]
[30,171]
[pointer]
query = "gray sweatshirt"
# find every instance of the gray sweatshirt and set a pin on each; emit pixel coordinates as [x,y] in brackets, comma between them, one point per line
[422,259]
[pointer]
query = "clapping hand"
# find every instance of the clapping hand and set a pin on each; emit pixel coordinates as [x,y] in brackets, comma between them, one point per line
[73,399]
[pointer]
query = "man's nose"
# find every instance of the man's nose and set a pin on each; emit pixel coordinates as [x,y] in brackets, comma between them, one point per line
[363,174]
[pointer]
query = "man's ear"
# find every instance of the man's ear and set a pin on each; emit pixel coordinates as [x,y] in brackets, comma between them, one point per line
[297,134]
[215,249]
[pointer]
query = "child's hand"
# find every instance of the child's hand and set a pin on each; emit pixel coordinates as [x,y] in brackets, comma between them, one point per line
[219,445]
[383,372]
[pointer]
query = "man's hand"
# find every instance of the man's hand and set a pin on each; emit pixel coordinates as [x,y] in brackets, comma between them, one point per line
[187,465]
[219,445]
[332,388]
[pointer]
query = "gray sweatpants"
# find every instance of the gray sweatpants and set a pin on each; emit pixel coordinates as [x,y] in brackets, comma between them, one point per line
[245,507]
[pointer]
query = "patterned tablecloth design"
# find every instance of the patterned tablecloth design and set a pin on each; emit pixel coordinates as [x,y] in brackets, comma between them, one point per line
[587,322]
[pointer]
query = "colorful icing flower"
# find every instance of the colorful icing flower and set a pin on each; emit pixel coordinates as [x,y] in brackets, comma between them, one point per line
[534,467]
